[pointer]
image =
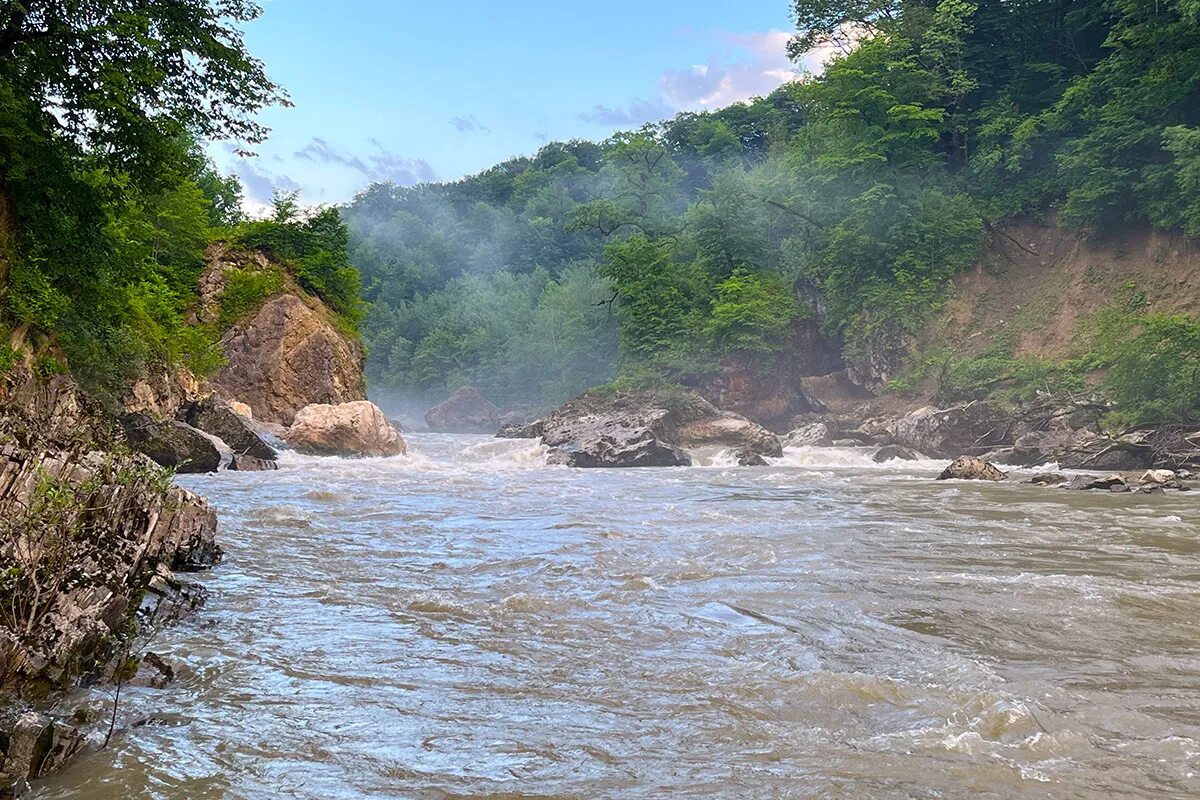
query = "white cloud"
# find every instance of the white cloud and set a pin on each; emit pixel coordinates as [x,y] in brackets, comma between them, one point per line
[763,66]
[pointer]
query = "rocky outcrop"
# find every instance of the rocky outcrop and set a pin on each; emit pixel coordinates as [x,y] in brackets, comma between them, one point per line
[286,356]
[971,468]
[86,531]
[37,746]
[637,429]
[217,418]
[516,430]
[769,389]
[465,411]
[171,444]
[346,429]
[970,428]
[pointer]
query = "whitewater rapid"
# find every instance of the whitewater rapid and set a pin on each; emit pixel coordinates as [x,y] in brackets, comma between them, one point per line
[467,621]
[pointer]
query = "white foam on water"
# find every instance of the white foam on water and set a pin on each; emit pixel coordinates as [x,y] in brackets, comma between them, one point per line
[809,457]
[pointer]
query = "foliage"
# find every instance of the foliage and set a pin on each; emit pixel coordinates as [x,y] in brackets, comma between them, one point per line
[1153,371]
[112,200]
[315,248]
[246,289]
[751,312]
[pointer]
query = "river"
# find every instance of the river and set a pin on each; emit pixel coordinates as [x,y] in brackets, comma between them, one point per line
[466,622]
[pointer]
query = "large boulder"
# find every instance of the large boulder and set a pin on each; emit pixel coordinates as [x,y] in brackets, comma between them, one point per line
[634,429]
[971,468]
[217,418]
[347,429]
[971,428]
[171,444]
[465,411]
[288,355]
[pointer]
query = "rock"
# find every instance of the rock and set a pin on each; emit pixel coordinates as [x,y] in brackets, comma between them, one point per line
[1082,449]
[814,434]
[1158,476]
[834,393]
[241,409]
[465,411]
[242,463]
[1048,479]
[520,431]
[895,452]
[628,429]
[347,429]
[725,429]
[152,671]
[971,468]
[847,443]
[217,418]
[638,448]
[750,459]
[39,746]
[971,428]
[286,356]
[1092,482]
[129,527]
[172,444]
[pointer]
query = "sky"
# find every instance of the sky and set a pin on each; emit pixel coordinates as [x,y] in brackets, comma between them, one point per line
[418,91]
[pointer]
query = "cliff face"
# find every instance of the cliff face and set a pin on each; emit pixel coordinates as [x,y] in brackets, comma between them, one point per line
[90,538]
[288,353]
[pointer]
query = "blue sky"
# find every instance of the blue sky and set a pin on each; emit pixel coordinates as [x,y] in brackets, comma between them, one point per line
[411,91]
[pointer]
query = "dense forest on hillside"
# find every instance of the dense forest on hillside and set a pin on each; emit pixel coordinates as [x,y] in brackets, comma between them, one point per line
[107,202]
[853,198]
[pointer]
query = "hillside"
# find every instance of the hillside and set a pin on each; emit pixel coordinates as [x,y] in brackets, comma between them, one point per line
[886,206]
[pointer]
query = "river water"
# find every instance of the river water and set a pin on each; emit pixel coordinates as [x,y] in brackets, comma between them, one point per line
[466,622]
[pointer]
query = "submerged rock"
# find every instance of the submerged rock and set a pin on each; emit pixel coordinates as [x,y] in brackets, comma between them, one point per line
[895,452]
[1048,479]
[465,411]
[170,443]
[633,429]
[347,429]
[972,468]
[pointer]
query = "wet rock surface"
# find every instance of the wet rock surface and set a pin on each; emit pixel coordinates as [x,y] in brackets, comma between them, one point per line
[634,429]
[171,444]
[972,468]
[217,418]
[347,429]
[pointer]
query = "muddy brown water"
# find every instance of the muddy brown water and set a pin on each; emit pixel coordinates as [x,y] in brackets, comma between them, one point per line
[466,622]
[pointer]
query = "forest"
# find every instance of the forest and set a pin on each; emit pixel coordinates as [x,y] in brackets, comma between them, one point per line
[852,197]
[107,200]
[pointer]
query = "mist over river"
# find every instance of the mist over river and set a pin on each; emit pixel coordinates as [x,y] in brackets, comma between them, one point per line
[466,622]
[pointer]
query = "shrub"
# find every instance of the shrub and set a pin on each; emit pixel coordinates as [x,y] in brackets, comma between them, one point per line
[246,289]
[751,313]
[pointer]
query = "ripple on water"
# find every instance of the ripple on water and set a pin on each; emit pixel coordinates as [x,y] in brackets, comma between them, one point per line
[466,621]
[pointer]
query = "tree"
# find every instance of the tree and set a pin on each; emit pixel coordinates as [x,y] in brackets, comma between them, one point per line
[121,76]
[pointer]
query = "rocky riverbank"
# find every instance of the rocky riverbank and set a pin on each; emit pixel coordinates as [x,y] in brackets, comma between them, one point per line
[92,538]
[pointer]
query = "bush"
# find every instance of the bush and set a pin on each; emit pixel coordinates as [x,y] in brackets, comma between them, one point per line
[751,313]
[1154,375]
[246,289]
